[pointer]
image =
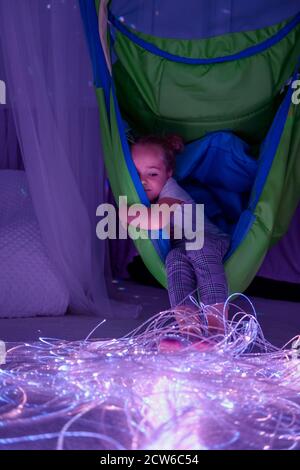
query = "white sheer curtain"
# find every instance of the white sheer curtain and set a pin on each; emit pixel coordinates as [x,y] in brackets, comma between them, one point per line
[49,82]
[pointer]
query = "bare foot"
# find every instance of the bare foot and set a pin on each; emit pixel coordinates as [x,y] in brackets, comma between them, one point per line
[171,345]
[188,319]
[216,317]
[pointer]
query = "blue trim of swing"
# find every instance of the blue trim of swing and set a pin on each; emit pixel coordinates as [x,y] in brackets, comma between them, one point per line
[101,74]
[250,51]
[127,154]
[270,146]
[161,244]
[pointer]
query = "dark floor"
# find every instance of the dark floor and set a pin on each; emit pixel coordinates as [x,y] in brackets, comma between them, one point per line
[280,320]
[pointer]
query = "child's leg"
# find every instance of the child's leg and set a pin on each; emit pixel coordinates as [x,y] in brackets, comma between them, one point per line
[211,279]
[181,283]
[181,277]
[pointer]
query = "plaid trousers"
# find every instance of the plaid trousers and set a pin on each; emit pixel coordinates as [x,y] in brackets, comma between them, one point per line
[188,270]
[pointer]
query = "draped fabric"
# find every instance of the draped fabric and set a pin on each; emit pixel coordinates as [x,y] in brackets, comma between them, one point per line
[52,112]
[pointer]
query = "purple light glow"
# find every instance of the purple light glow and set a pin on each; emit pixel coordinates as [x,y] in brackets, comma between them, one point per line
[126,394]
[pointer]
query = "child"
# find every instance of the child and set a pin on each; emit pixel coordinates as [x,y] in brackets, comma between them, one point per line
[187,270]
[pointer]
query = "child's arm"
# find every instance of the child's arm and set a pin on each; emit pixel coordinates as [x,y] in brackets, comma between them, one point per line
[149,218]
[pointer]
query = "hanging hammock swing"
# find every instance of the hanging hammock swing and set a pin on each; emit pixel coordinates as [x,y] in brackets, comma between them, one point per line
[239,83]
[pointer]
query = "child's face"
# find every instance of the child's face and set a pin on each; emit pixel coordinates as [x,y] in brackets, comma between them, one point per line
[152,170]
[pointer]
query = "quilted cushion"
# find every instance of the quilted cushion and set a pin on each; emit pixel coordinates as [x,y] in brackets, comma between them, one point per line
[29,283]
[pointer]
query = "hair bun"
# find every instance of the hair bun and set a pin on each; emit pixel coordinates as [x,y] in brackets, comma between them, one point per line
[175,142]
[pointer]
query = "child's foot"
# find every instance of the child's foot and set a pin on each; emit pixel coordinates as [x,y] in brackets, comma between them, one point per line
[188,320]
[176,343]
[172,344]
[191,334]
[216,316]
